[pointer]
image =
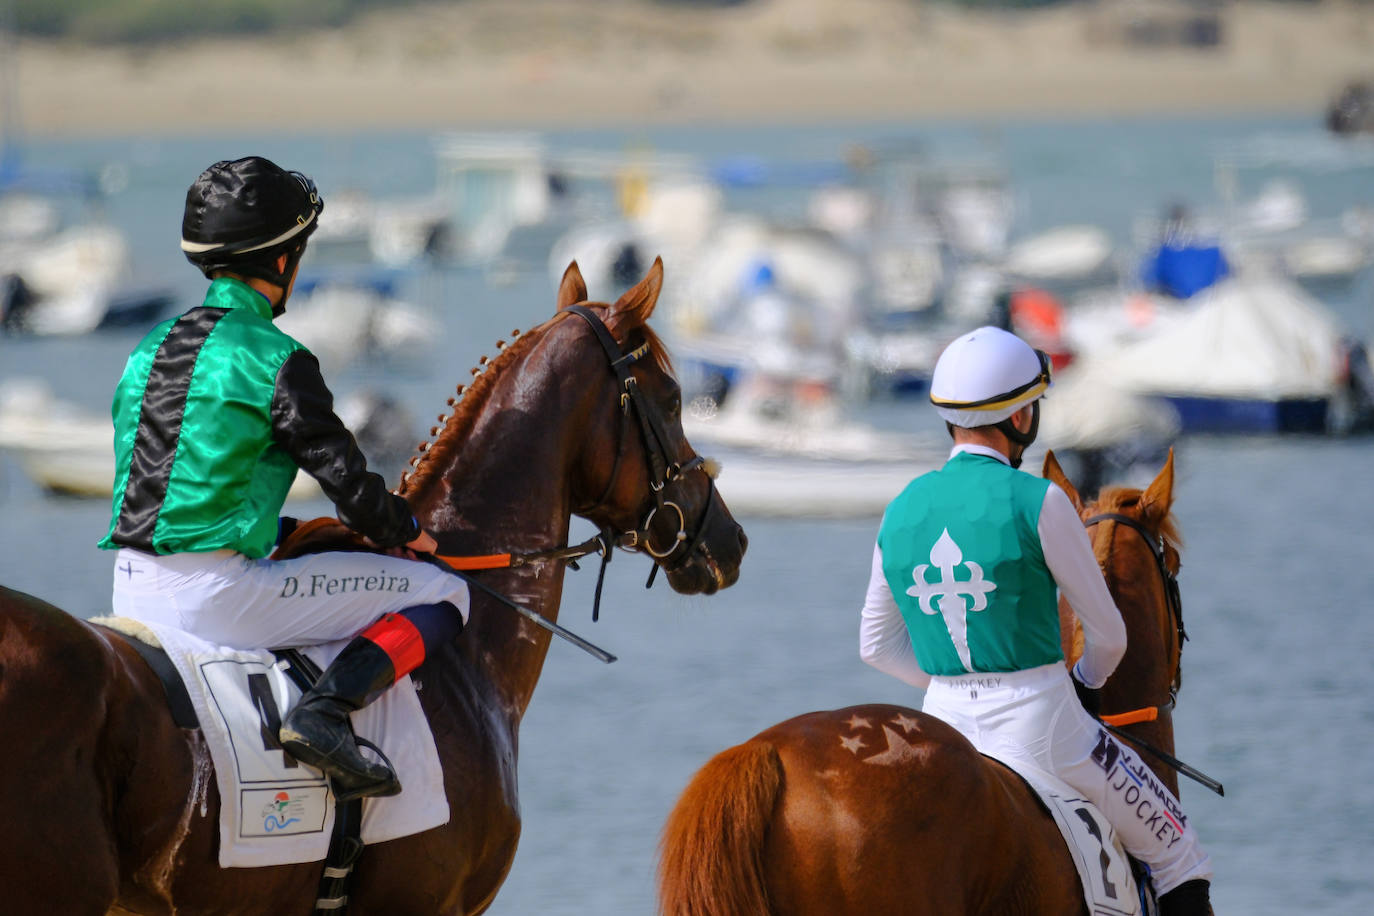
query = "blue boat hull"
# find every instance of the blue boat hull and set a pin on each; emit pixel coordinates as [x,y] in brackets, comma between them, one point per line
[1250,416]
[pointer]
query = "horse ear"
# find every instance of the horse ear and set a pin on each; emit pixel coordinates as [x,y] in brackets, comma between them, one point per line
[1159,495]
[635,307]
[1055,475]
[573,289]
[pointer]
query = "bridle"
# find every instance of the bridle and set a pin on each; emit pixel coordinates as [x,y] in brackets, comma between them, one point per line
[1173,596]
[662,470]
[662,473]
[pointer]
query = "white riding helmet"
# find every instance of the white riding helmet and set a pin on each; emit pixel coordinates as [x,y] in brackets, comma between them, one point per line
[986,376]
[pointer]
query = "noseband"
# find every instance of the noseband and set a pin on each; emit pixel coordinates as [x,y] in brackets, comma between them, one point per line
[1172,595]
[662,470]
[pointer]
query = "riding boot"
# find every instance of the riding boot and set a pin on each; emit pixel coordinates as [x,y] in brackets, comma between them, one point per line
[319,733]
[1188,899]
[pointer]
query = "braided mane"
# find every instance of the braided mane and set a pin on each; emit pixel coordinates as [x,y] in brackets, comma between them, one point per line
[432,457]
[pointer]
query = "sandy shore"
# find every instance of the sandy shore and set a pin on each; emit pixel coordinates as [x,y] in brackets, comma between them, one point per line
[485,63]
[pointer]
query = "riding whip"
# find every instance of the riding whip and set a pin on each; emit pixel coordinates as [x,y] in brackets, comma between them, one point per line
[1191,773]
[534,616]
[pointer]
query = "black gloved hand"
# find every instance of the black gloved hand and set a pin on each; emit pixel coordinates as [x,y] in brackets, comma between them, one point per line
[1090,697]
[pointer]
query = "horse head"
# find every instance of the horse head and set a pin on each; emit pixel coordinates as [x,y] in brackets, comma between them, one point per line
[580,415]
[636,472]
[1135,541]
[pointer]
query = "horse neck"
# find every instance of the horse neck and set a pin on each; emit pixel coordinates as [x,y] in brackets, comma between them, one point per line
[504,489]
[1144,676]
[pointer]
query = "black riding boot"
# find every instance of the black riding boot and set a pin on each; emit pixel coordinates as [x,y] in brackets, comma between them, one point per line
[318,733]
[1188,899]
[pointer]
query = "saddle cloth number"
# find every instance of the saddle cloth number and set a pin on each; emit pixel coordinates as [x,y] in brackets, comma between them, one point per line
[1103,865]
[277,795]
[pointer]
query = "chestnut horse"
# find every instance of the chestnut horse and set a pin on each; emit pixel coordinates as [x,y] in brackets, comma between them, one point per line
[109,806]
[881,809]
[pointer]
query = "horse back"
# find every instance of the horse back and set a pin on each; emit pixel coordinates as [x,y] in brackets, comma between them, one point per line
[877,809]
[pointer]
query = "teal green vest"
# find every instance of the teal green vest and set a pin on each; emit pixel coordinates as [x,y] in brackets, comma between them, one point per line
[228,478]
[961,553]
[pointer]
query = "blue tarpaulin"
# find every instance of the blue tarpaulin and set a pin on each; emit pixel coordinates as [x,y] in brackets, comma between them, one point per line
[1183,269]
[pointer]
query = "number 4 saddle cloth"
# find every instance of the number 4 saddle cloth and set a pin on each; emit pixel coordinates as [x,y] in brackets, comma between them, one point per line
[274,810]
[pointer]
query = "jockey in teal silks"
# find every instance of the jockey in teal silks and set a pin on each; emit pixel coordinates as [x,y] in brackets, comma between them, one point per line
[215,412]
[985,644]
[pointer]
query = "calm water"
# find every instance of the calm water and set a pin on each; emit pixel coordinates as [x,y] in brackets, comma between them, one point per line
[1277,577]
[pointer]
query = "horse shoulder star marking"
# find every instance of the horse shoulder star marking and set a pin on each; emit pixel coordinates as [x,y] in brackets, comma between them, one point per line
[852,743]
[857,722]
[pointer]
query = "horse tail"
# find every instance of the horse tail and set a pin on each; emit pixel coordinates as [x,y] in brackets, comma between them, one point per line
[711,854]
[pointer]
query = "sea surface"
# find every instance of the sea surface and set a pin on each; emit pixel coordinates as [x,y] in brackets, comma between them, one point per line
[1278,562]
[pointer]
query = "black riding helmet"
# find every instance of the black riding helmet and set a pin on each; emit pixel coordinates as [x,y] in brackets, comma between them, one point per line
[241,215]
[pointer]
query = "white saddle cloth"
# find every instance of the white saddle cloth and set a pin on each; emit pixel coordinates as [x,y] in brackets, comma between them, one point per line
[1109,887]
[273,810]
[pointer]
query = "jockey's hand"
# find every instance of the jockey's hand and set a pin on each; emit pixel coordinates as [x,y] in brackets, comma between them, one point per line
[425,543]
[1090,697]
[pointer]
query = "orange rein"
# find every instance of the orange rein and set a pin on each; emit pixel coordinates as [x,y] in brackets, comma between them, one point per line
[1147,714]
[485,561]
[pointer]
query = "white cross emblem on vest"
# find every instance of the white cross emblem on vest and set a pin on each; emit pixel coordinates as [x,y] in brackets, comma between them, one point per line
[946,556]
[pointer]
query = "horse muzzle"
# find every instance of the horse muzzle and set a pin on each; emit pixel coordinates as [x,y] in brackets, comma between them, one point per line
[713,562]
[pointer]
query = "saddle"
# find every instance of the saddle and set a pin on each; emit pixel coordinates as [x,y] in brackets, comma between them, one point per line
[318,535]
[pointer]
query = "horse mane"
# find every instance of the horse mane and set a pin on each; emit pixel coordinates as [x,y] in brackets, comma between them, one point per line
[433,456]
[1118,498]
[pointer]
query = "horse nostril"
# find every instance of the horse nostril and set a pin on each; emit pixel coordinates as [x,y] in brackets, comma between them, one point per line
[743,540]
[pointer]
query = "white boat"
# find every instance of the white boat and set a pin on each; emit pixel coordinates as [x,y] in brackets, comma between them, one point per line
[1326,259]
[801,488]
[798,418]
[893,362]
[762,299]
[786,448]
[73,282]
[1063,258]
[1253,354]
[26,217]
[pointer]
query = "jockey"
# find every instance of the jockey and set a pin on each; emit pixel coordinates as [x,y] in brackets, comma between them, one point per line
[215,412]
[1021,541]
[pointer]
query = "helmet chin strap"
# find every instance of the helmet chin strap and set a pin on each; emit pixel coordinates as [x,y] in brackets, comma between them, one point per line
[283,280]
[1008,429]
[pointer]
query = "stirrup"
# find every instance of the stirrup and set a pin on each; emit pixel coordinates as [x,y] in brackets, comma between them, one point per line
[380,788]
[347,783]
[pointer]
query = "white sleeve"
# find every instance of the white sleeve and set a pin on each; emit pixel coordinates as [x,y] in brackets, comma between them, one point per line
[884,641]
[1069,556]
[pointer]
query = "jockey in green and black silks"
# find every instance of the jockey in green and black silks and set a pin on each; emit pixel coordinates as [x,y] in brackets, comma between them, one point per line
[215,413]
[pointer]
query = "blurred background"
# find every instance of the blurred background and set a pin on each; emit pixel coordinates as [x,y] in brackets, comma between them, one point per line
[1174,199]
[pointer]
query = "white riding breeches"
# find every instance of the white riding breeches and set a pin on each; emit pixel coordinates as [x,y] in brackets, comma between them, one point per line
[1034,716]
[233,600]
